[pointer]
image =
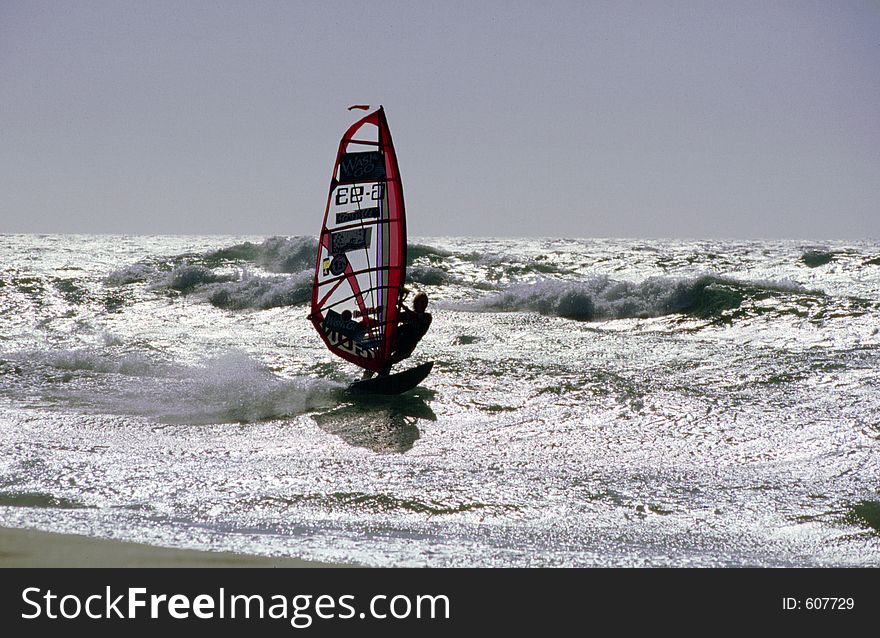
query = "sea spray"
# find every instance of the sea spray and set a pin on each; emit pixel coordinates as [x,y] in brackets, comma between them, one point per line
[235,387]
[83,359]
[230,388]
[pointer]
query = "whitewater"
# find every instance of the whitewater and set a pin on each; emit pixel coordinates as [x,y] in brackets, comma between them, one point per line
[594,402]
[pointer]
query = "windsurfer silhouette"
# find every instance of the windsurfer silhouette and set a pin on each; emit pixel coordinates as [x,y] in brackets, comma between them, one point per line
[413,324]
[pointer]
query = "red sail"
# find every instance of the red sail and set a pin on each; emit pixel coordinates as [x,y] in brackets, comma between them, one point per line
[361,263]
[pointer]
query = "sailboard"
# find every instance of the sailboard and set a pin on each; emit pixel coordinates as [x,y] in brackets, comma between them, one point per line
[393,383]
[360,270]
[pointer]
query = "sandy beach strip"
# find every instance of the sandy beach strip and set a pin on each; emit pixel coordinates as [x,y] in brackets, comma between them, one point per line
[33,548]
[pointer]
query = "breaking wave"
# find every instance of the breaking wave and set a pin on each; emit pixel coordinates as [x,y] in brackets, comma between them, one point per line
[275,254]
[427,275]
[236,290]
[186,271]
[416,251]
[192,272]
[133,273]
[263,292]
[187,277]
[292,254]
[604,298]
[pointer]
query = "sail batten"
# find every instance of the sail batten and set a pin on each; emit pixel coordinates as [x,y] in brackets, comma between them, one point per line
[360,267]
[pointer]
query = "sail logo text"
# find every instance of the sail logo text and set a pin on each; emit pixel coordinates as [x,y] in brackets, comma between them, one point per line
[344,241]
[355,346]
[367,311]
[362,166]
[356,215]
[344,333]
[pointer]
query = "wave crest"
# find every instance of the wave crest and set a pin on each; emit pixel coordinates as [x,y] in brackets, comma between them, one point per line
[186,277]
[427,275]
[263,292]
[275,254]
[815,257]
[601,297]
[431,253]
[133,273]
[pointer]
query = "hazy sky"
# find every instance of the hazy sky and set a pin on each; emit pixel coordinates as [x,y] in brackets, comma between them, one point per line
[578,119]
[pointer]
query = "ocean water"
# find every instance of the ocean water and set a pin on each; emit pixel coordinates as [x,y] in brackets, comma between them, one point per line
[593,403]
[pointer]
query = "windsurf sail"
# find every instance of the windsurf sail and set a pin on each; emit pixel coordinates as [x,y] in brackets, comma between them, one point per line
[361,263]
